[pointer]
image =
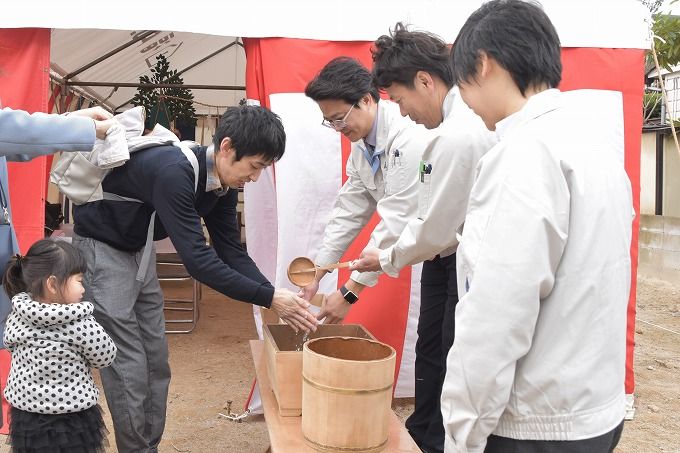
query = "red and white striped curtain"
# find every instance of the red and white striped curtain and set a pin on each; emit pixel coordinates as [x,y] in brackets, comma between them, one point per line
[287,210]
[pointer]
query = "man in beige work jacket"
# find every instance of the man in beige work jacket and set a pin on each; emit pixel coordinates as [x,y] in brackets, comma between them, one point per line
[414,69]
[382,172]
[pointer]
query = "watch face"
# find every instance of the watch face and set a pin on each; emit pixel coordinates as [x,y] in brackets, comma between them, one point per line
[351,297]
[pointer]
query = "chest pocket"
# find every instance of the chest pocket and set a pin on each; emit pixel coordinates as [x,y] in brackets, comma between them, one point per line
[395,166]
[424,194]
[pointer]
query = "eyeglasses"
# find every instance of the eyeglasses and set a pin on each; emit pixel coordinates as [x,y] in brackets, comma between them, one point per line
[338,125]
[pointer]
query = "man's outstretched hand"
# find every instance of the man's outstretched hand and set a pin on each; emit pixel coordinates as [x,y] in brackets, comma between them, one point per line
[293,310]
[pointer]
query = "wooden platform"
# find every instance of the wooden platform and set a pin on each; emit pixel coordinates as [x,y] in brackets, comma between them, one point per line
[285,433]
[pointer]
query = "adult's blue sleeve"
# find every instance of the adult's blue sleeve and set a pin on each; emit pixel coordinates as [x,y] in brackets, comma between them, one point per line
[24,136]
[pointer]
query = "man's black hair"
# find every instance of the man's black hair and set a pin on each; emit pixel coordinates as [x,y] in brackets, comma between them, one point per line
[399,56]
[253,130]
[342,78]
[518,35]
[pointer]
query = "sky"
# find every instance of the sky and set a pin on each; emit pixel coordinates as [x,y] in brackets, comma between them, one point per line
[669,6]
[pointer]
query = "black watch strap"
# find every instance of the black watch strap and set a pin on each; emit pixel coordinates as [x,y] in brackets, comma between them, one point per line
[349,296]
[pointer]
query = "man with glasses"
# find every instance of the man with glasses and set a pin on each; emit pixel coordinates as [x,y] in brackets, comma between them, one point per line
[382,172]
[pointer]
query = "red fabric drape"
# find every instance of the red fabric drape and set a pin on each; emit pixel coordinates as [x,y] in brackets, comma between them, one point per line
[5,363]
[24,84]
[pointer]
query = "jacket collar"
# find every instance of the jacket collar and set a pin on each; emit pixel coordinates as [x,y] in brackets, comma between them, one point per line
[212,179]
[537,105]
[449,102]
[372,137]
[381,125]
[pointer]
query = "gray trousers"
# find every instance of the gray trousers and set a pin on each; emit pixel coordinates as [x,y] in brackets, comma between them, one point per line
[136,384]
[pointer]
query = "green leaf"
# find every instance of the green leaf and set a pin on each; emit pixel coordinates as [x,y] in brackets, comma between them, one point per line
[149,97]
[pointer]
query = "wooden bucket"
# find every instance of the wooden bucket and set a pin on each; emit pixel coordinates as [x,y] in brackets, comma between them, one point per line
[346,394]
[283,352]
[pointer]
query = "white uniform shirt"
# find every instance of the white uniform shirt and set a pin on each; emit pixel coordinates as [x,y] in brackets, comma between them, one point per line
[392,191]
[545,258]
[444,186]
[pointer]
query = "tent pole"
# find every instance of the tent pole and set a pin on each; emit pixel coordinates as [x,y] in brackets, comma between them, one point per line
[155,85]
[139,37]
[208,57]
[191,66]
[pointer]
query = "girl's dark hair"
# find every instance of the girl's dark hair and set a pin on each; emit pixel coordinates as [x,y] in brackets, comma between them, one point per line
[397,57]
[45,258]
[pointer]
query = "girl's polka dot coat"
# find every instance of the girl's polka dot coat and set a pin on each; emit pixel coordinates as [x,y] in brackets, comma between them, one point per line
[54,347]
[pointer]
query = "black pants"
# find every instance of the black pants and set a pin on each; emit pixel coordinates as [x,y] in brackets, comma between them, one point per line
[601,444]
[438,298]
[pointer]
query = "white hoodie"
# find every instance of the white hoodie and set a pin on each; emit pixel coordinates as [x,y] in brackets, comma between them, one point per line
[53,347]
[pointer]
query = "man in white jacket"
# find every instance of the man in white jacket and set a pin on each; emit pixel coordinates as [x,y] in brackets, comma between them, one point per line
[414,68]
[539,356]
[382,172]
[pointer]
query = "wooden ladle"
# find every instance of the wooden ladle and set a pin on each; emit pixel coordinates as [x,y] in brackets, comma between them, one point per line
[302,270]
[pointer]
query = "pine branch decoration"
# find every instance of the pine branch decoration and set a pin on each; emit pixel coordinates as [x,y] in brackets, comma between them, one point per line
[179,110]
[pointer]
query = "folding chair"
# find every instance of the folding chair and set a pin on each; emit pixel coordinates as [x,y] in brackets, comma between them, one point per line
[169,268]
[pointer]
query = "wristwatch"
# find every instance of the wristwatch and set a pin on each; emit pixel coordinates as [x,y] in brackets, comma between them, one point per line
[349,296]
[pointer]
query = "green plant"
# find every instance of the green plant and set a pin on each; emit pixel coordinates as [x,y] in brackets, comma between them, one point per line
[666,30]
[651,104]
[175,104]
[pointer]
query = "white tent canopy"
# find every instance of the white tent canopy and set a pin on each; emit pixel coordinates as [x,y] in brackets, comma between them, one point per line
[221,62]
[84,31]
[581,23]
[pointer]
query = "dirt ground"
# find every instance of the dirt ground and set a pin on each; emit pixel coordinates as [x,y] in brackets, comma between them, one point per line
[656,427]
[212,366]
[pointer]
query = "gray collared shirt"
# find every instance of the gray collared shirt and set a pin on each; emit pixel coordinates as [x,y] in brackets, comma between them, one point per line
[212,179]
[372,137]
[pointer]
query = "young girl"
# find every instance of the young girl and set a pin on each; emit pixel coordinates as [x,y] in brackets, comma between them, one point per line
[54,341]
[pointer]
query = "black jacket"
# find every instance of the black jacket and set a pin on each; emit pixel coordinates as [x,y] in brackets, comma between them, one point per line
[163,179]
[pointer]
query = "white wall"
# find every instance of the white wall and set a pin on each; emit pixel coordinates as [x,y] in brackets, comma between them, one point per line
[671,179]
[671,176]
[659,247]
[672,83]
[648,173]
